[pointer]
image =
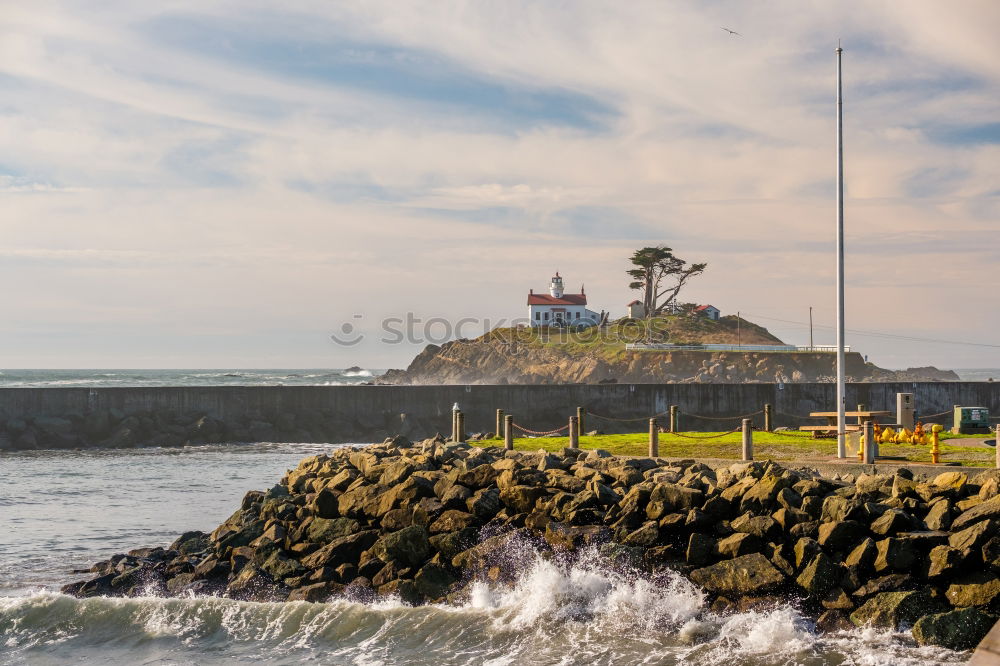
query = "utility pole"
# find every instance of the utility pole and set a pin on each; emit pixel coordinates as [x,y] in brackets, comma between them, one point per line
[841,388]
[739,336]
[812,347]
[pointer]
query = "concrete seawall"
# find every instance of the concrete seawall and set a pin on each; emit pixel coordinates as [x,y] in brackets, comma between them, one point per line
[361,413]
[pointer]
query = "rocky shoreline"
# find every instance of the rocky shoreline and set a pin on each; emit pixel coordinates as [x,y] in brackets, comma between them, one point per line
[422,521]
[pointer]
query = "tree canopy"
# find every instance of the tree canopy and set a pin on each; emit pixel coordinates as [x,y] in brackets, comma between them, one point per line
[660,276]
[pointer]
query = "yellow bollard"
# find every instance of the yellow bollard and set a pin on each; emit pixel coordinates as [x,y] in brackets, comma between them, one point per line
[935,451]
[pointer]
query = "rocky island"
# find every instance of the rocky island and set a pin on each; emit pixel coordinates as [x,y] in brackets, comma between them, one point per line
[600,355]
[421,521]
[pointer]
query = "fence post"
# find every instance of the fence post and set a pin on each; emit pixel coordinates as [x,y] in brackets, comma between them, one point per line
[581,413]
[508,432]
[768,424]
[861,420]
[869,446]
[499,430]
[454,423]
[461,427]
[673,418]
[747,440]
[654,439]
[996,444]
[574,432]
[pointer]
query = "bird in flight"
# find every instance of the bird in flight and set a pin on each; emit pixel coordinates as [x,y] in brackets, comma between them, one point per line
[731,32]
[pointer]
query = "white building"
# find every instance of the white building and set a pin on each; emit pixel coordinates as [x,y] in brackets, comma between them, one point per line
[636,310]
[558,308]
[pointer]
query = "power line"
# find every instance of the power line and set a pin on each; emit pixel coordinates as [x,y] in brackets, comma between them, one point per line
[883,334]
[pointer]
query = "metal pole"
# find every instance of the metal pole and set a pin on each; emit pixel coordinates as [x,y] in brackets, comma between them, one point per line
[869,447]
[841,381]
[574,432]
[499,431]
[508,432]
[654,439]
[739,337]
[747,440]
[812,347]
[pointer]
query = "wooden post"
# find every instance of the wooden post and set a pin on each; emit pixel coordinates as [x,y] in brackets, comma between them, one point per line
[861,419]
[768,423]
[461,427]
[508,432]
[869,447]
[581,413]
[499,430]
[654,439]
[574,432]
[747,440]
[673,418]
[454,425]
[996,444]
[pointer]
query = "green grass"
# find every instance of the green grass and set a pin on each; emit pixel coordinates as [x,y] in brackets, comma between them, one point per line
[787,447]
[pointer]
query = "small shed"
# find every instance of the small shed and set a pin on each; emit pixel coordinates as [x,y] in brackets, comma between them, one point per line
[636,310]
[709,311]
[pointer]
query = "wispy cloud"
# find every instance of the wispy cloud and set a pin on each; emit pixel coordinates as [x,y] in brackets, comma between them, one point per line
[299,164]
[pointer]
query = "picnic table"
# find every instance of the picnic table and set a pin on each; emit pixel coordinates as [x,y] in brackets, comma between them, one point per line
[831,421]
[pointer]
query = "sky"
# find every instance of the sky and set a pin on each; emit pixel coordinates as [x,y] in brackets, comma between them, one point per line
[228,184]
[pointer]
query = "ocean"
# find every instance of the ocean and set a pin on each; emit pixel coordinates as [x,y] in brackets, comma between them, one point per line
[231,377]
[61,510]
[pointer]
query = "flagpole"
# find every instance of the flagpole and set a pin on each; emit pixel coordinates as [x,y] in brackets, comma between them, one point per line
[841,388]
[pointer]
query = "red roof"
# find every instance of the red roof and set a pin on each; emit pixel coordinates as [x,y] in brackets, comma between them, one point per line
[567,299]
[705,307]
[635,302]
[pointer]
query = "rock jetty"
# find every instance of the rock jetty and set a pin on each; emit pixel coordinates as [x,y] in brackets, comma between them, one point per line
[421,521]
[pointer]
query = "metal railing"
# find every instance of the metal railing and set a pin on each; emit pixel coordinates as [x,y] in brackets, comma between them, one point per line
[660,346]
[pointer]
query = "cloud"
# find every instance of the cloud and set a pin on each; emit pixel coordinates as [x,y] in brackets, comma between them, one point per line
[225,167]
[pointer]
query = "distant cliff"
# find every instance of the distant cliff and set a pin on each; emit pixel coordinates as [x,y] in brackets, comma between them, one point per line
[525,357]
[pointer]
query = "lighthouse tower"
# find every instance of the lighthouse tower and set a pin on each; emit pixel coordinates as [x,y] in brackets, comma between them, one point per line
[556,288]
[557,308]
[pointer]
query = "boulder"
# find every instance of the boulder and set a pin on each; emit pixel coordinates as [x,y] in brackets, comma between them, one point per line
[738,544]
[820,575]
[452,520]
[974,537]
[939,516]
[325,530]
[891,523]
[521,498]
[571,537]
[894,554]
[942,561]
[956,630]
[746,575]
[700,549]
[408,546]
[342,550]
[979,588]
[433,581]
[891,609]
[989,509]
[840,536]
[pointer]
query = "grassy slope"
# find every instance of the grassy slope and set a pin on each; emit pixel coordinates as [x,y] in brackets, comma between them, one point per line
[767,446]
[609,344]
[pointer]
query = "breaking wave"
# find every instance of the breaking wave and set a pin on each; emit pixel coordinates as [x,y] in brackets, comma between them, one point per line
[554,613]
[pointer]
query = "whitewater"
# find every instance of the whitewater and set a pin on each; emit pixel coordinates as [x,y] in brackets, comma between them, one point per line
[63,510]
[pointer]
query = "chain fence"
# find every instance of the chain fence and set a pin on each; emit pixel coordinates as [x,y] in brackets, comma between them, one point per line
[540,432]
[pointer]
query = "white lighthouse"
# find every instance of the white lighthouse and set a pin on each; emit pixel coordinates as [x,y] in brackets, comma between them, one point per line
[556,287]
[557,308]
